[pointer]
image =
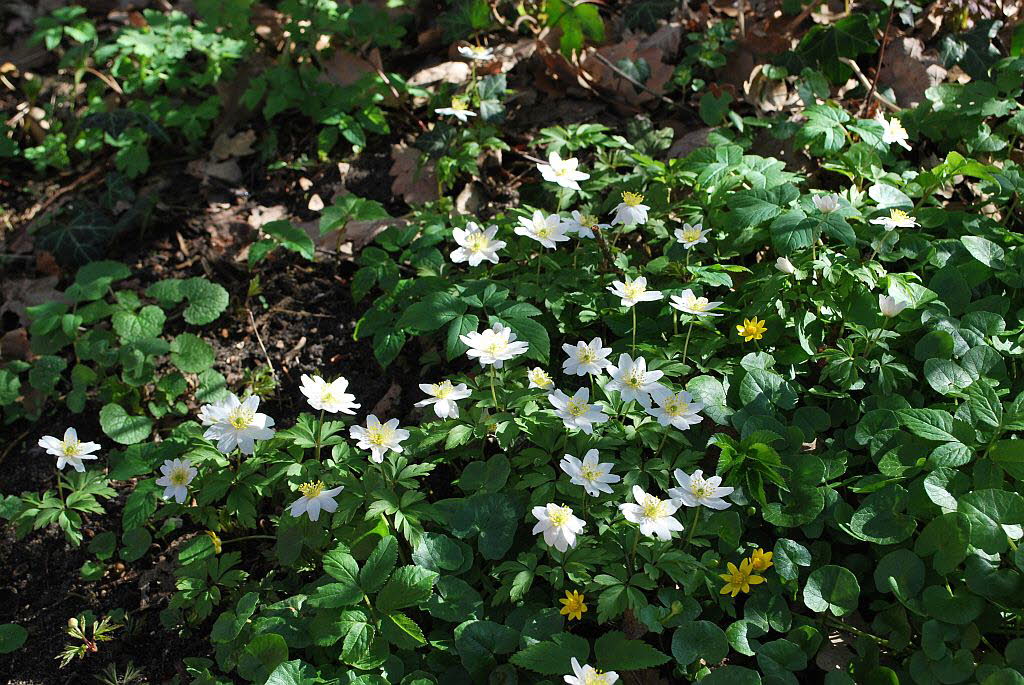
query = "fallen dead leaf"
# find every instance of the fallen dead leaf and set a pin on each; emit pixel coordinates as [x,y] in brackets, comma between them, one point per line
[204,170]
[445,72]
[388,401]
[416,185]
[910,71]
[344,68]
[607,79]
[261,215]
[689,142]
[238,145]
[470,199]
[21,293]
[14,345]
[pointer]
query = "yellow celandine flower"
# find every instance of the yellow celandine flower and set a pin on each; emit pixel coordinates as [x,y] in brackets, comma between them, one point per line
[573,605]
[739,579]
[752,329]
[761,560]
[216,541]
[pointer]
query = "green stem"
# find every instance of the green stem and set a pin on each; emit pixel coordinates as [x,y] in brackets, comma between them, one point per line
[247,537]
[693,526]
[661,444]
[686,344]
[60,488]
[319,434]
[675,322]
[494,394]
[632,551]
[633,348]
[872,340]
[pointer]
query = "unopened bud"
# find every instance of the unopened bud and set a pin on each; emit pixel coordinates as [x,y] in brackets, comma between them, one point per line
[73,623]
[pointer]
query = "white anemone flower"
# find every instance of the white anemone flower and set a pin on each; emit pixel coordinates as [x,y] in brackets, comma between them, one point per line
[564,172]
[690,236]
[677,409]
[631,210]
[443,396]
[459,109]
[479,52]
[378,437]
[314,499]
[558,525]
[633,381]
[691,304]
[235,423]
[546,230]
[634,291]
[329,397]
[893,132]
[593,476]
[697,491]
[583,225]
[476,245]
[539,378]
[495,345]
[584,358]
[177,474]
[588,675]
[69,451]
[897,219]
[826,204]
[576,411]
[890,306]
[785,266]
[653,515]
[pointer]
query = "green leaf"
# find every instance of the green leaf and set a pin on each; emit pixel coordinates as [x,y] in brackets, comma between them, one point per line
[409,586]
[947,537]
[477,643]
[432,312]
[694,640]
[148,322]
[549,657]
[930,424]
[849,37]
[613,651]
[291,237]
[263,654]
[12,637]
[753,207]
[135,543]
[206,301]
[985,251]
[988,511]
[401,631]
[191,354]
[831,588]
[230,623]
[122,427]
[334,595]
[350,208]
[788,556]
[379,564]
[732,675]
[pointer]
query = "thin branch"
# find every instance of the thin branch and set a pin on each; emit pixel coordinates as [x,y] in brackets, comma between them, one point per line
[881,56]
[886,102]
[669,101]
[263,347]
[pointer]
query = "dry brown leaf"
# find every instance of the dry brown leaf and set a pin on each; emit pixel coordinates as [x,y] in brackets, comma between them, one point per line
[21,293]
[261,215]
[416,185]
[445,72]
[470,199]
[228,171]
[689,142]
[607,79]
[345,69]
[389,401]
[910,71]
[14,345]
[238,145]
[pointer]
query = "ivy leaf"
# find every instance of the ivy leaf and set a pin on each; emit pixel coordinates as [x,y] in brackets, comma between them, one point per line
[576,21]
[849,37]
[972,50]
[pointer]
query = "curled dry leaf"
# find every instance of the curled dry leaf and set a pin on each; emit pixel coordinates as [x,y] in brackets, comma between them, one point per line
[606,78]
[445,72]
[910,71]
[21,293]
[414,184]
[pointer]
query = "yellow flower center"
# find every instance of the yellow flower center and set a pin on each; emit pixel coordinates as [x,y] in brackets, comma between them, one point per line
[634,290]
[595,678]
[676,408]
[442,389]
[496,347]
[700,304]
[327,397]
[179,476]
[241,417]
[459,105]
[560,516]
[691,235]
[479,50]
[541,230]
[540,378]
[653,507]
[477,242]
[71,448]
[379,436]
[311,489]
[700,488]
[588,220]
[898,215]
[587,355]
[634,379]
[632,199]
[590,473]
[577,409]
